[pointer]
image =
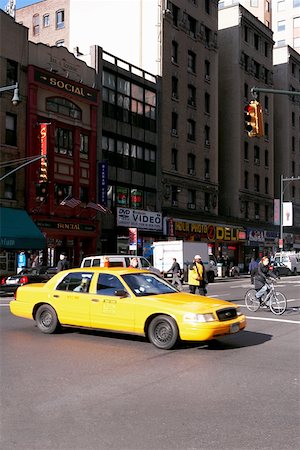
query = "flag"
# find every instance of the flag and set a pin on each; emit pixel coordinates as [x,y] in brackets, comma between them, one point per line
[99,208]
[70,201]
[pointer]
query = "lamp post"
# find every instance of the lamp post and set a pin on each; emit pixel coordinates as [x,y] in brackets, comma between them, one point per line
[16,97]
[282,180]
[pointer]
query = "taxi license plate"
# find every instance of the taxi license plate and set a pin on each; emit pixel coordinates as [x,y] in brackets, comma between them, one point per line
[234,328]
[11,281]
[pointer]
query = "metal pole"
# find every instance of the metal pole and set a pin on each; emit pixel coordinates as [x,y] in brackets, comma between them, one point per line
[281,213]
[274,91]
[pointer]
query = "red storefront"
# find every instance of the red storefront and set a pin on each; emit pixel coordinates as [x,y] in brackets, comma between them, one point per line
[62,117]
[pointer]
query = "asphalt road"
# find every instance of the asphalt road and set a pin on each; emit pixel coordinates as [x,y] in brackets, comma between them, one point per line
[90,390]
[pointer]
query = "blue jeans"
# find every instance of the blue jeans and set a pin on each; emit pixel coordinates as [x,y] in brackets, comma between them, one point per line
[261,292]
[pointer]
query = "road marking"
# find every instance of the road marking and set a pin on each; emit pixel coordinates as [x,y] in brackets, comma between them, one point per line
[4,304]
[273,320]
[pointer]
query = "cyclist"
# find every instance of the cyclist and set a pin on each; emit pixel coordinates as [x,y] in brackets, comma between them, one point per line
[261,276]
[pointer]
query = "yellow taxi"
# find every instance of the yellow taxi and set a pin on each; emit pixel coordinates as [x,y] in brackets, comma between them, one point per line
[127,301]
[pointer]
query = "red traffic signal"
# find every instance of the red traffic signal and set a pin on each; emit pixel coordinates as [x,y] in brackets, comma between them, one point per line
[253,116]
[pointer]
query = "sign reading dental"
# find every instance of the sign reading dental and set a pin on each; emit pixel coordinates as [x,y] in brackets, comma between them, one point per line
[136,218]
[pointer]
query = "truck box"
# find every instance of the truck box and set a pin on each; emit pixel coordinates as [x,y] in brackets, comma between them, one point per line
[184,252]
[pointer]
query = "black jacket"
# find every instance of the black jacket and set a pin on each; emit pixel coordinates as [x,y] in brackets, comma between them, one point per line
[261,276]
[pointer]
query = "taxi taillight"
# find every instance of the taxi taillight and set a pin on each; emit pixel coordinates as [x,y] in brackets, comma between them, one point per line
[3,281]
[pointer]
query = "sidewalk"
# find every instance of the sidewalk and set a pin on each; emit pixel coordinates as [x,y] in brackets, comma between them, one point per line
[242,276]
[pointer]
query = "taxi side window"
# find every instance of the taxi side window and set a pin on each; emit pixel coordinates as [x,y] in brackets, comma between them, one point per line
[144,263]
[108,284]
[76,281]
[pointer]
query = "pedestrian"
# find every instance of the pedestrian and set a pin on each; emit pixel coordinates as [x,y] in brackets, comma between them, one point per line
[63,263]
[197,278]
[134,263]
[253,268]
[176,274]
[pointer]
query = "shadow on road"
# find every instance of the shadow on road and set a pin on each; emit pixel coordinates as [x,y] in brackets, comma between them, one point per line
[243,339]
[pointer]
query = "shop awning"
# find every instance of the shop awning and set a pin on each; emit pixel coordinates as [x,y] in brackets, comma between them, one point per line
[18,231]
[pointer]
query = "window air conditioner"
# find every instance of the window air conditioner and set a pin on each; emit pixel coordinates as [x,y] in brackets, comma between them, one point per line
[191,206]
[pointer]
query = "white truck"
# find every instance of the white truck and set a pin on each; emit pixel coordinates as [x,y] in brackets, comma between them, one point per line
[289,259]
[184,252]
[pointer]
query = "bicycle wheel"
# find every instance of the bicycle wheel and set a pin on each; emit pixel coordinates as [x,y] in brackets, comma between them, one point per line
[251,301]
[278,303]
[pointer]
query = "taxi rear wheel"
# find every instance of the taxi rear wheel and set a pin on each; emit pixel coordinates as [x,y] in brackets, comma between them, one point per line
[46,319]
[163,332]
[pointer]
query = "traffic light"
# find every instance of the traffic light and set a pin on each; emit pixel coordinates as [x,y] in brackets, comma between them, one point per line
[254,123]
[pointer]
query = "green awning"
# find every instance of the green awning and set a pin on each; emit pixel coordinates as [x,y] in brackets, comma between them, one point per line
[18,231]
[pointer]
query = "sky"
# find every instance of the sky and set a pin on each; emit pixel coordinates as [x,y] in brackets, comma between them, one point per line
[20,3]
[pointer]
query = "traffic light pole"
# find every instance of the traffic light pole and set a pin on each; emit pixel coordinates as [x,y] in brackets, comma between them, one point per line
[282,180]
[254,90]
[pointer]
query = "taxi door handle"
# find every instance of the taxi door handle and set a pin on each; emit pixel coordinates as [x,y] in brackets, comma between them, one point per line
[56,296]
[95,300]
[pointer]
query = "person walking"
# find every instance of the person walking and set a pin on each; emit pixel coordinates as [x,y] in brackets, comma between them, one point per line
[197,278]
[176,274]
[253,268]
[63,263]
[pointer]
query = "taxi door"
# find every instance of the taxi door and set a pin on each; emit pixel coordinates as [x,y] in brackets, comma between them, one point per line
[109,311]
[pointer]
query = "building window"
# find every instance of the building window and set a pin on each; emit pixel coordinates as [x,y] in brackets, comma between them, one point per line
[256,154]
[191,61]
[266,103]
[191,95]
[293,119]
[207,103]
[206,168]
[11,129]
[60,19]
[266,185]
[246,34]
[36,24]
[266,75]
[207,6]
[266,158]
[64,107]
[174,87]
[266,126]
[84,146]
[207,135]
[281,43]
[64,141]
[174,155]
[206,201]
[84,194]
[256,41]
[281,25]
[191,199]
[207,33]
[296,22]
[174,195]
[246,90]
[281,5]
[246,151]
[246,179]
[256,210]
[174,11]
[246,210]
[191,163]
[256,183]
[11,72]
[192,24]
[61,191]
[293,168]
[266,50]
[293,143]
[174,52]
[256,69]
[9,192]
[296,42]
[60,43]
[254,3]
[266,213]
[174,123]
[207,69]
[191,132]
[46,20]
[296,3]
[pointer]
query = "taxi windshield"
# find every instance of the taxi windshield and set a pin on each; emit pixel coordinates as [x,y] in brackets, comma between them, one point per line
[143,284]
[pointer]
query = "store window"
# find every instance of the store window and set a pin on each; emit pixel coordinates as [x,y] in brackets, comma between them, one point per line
[64,107]
[64,141]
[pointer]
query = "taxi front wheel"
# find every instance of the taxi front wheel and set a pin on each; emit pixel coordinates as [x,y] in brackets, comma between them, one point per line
[46,319]
[163,332]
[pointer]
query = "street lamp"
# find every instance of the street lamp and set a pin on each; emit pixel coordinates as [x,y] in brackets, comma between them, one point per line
[16,97]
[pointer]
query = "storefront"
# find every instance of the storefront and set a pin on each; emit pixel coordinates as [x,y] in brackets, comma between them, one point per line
[224,240]
[19,234]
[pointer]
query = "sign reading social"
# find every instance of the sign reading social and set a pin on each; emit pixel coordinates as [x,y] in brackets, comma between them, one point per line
[136,218]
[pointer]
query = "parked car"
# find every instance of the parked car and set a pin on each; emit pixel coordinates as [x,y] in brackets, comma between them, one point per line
[31,275]
[280,269]
[126,300]
[118,261]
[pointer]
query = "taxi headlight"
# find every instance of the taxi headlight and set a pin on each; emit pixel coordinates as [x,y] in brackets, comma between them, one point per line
[192,317]
[238,311]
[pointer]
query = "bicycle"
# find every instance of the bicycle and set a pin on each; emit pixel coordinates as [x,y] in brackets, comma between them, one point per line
[277,300]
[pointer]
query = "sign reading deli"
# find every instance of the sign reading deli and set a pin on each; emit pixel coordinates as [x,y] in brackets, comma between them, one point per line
[66,85]
[208,232]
